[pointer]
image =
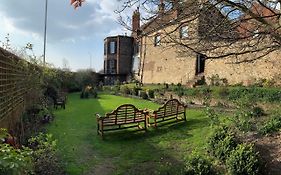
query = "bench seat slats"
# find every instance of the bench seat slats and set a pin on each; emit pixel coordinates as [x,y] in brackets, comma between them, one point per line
[125,116]
[122,122]
[171,110]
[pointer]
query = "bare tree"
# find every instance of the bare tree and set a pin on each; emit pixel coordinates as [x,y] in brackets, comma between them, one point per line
[224,27]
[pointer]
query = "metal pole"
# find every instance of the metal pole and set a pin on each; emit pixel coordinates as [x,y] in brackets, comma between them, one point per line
[45,32]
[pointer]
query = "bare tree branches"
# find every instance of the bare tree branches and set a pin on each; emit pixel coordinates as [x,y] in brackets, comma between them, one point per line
[223,27]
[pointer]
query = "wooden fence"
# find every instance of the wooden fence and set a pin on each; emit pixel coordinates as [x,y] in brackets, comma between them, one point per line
[14,85]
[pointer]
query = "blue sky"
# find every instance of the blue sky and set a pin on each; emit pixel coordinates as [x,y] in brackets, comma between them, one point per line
[72,35]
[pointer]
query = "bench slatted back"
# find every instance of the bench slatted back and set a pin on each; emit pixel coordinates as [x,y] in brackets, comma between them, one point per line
[124,113]
[171,107]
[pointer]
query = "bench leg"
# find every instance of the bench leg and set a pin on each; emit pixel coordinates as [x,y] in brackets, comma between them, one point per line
[98,129]
[155,121]
[148,122]
[145,127]
[102,131]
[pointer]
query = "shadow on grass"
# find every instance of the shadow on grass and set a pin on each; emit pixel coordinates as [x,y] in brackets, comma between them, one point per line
[178,128]
[122,152]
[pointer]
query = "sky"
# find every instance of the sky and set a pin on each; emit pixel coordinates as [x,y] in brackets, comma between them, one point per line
[72,35]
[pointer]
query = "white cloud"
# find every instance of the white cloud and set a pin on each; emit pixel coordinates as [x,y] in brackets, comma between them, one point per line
[71,34]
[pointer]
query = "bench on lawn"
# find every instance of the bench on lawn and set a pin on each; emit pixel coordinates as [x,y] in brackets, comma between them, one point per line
[125,116]
[60,101]
[172,110]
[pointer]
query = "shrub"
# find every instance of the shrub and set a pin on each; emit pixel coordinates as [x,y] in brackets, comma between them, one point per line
[135,91]
[44,154]
[196,164]
[125,90]
[243,160]
[95,94]
[255,93]
[3,135]
[264,83]
[84,94]
[150,93]
[215,80]
[166,86]
[257,111]
[212,115]
[143,95]
[89,91]
[52,92]
[15,161]
[242,121]
[115,89]
[222,92]
[271,125]
[221,143]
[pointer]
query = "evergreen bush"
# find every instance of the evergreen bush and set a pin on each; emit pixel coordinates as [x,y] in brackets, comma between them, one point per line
[197,164]
[243,161]
[221,143]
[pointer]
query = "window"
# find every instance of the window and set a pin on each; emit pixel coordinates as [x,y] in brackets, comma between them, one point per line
[111,66]
[104,48]
[157,40]
[184,32]
[112,47]
[256,33]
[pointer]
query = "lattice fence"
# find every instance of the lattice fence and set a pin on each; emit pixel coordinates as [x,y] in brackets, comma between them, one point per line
[14,83]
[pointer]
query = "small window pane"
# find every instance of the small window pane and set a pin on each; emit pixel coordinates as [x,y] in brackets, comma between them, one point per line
[256,33]
[112,47]
[157,40]
[184,32]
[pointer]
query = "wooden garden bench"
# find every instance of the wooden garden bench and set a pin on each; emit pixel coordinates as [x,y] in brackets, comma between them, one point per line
[172,111]
[60,101]
[125,116]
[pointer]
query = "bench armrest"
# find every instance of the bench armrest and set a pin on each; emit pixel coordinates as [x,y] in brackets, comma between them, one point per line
[98,116]
[148,111]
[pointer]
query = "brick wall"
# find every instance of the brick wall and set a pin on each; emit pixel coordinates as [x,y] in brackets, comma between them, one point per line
[14,87]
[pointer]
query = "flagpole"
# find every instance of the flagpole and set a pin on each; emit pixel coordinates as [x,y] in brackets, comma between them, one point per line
[45,31]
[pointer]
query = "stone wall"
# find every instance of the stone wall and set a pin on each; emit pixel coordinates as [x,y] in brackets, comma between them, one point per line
[165,63]
[247,73]
[168,63]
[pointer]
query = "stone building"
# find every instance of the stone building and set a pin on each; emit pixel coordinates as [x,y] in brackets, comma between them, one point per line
[118,52]
[163,62]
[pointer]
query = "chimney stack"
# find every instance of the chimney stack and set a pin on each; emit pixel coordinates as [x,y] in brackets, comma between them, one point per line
[135,22]
[161,7]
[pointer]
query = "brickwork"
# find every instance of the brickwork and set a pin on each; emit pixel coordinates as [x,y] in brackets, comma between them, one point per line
[118,58]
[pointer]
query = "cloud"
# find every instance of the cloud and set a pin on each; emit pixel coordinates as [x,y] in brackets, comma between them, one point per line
[64,23]
[71,34]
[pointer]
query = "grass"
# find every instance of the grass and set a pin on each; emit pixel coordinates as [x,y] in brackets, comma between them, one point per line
[157,151]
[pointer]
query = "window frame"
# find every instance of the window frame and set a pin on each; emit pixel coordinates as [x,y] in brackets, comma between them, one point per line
[184,34]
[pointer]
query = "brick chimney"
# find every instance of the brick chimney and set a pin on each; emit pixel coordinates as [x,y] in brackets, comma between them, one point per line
[161,7]
[135,23]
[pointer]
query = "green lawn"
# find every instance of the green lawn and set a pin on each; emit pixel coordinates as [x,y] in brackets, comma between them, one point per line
[157,151]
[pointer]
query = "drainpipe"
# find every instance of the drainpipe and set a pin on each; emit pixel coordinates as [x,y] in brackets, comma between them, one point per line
[144,55]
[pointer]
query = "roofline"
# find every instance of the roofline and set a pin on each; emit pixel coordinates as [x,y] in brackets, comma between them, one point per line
[118,36]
